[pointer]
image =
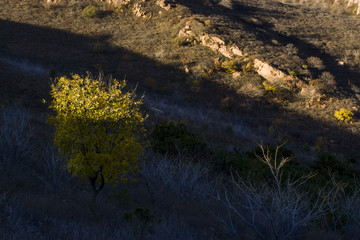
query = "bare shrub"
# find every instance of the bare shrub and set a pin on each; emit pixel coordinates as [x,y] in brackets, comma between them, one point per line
[345,209]
[275,209]
[182,178]
[328,80]
[15,134]
[315,62]
[53,170]
[350,207]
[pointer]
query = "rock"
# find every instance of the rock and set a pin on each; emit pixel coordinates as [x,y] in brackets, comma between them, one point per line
[207,41]
[164,4]
[270,73]
[138,11]
[236,51]
[117,2]
[218,45]
[308,91]
[52,1]
[191,29]
[256,21]
[236,74]
[312,94]
[225,51]
[217,40]
[187,70]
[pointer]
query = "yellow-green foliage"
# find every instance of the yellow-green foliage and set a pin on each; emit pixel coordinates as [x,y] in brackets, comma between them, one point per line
[98,127]
[229,66]
[249,67]
[90,11]
[292,73]
[343,115]
[268,86]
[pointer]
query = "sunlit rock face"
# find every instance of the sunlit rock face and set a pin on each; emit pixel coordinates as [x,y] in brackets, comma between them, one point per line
[117,2]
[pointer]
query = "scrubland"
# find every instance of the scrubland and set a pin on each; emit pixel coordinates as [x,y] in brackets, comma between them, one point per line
[225,85]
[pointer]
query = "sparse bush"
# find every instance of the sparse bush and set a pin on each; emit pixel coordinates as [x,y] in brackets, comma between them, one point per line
[90,11]
[15,134]
[315,62]
[343,115]
[328,80]
[291,49]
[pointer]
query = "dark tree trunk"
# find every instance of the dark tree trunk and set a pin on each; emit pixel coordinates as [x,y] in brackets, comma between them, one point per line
[97,187]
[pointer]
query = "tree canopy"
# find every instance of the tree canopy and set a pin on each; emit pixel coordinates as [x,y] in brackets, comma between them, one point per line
[98,128]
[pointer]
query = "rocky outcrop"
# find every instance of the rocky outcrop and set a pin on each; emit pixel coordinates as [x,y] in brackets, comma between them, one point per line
[187,31]
[219,45]
[265,70]
[117,2]
[192,29]
[276,76]
[270,73]
[53,1]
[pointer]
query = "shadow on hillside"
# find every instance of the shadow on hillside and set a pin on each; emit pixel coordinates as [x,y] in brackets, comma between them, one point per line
[66,52]
[240,13]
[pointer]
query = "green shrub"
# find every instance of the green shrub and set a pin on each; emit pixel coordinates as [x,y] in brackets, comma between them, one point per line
[170,137]
[326,162]
[248,164]
[90,11]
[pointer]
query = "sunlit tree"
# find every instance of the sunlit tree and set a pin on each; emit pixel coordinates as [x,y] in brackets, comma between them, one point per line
[98,128]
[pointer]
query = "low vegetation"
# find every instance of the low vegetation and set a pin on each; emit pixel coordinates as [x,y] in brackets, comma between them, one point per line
[244,123]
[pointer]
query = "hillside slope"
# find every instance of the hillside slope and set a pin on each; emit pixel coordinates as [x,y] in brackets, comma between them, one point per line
[285,67]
